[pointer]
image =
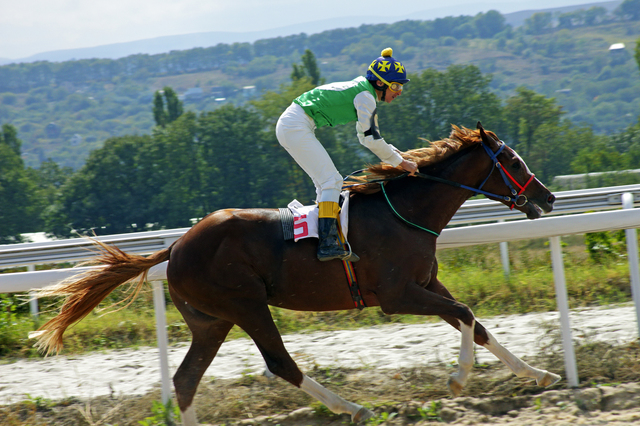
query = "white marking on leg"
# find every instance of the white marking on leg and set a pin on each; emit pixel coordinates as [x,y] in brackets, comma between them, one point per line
[267,373]
[465,360]
[518,366]
[333,402]
[189,417]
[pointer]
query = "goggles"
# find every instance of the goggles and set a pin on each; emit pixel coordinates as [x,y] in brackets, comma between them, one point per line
[393,86]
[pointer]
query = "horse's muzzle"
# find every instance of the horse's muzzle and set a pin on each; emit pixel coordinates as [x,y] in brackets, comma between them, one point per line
[547,206]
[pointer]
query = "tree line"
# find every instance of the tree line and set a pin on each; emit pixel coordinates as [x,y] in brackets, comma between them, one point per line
[65,110]
[192,164]
[20,78]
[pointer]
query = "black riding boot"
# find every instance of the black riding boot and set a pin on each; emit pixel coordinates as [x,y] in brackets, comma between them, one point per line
[329,246]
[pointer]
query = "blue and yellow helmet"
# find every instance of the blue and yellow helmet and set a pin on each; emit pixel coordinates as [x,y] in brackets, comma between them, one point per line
[387,69]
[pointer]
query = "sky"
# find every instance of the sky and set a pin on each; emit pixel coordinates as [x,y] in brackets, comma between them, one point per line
[28,27]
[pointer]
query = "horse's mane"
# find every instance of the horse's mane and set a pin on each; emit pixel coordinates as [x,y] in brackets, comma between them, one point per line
[460,138]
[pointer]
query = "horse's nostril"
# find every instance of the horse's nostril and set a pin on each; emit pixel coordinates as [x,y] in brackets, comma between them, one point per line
[551,199]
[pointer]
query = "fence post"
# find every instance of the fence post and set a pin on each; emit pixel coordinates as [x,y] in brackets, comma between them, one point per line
[504,255]
[33,302]
[632,256]
[571,368]
[161,332]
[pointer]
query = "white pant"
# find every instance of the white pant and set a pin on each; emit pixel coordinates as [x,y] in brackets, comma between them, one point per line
[295,132]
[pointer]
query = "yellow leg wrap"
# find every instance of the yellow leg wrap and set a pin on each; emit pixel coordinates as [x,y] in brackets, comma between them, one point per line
[328,209]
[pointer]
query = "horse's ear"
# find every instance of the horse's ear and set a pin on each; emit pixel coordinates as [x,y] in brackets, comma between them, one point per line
[486,139]
[479,126]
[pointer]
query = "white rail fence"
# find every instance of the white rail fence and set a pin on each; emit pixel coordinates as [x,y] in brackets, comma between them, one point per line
[502,232]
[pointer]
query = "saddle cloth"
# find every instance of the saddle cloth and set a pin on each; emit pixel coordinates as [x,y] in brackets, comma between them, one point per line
[300,221]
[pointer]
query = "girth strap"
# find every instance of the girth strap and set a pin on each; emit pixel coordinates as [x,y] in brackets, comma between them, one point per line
[286,218]
[354,288]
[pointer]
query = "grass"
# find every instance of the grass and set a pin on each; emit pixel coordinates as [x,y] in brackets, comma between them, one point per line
[473,275]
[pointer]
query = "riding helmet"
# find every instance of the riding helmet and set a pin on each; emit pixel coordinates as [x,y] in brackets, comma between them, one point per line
[388,68]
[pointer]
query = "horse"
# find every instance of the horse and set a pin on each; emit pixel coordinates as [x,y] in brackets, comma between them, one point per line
[229,267]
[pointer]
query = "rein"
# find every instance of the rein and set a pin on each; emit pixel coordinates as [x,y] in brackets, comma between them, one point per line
[402,218]
[506,177]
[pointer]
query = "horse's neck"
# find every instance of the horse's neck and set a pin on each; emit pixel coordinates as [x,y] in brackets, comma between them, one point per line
[442,201]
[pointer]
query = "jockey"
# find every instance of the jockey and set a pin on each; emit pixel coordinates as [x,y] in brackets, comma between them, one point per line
[341,103]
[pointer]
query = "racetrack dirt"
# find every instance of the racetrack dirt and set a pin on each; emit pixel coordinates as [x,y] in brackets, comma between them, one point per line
[609,394]
[609,391]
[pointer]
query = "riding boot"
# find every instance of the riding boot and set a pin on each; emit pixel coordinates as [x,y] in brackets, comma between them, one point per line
[329,245]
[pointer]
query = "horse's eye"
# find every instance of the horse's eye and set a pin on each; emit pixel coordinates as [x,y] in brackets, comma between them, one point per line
[516,166]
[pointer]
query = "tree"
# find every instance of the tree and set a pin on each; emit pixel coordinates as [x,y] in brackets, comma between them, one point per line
[538,23]
[241,164]
[18,213]
[174,109]
[48,179]
[110,194]
[555,148]
[271,104]
[175,176]
[566,20]
[628,144]
[9,137]
[629,9]
[308,69]
[594,15]
[597,157]
[159,113]
[637,54]
[489,24]
[524,113]
[174,105]
[435,100]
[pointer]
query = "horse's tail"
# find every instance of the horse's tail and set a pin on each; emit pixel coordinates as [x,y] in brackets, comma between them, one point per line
[86,290]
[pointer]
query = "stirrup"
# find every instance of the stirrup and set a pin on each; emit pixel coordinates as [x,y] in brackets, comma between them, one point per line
[339,253]
[352,257]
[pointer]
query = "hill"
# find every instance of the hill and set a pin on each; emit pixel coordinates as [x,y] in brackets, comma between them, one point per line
[65,110]
[517,19]
[157,45]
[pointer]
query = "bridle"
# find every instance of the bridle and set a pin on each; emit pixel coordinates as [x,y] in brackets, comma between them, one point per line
[507,178]
[517,198]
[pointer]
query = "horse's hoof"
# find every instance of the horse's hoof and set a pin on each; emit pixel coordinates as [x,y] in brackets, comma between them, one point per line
[362,415]
[454,386]
[548,379]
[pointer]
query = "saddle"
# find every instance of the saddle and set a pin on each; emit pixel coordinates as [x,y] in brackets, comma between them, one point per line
[300,222]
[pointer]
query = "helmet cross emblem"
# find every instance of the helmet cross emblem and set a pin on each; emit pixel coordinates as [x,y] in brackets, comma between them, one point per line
[383,66]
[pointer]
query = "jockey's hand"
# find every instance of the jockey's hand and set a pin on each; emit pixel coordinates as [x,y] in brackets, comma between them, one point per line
[409,166]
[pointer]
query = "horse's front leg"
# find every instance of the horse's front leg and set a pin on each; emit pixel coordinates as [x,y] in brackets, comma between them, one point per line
[465,361]
[416,300]
[483,338]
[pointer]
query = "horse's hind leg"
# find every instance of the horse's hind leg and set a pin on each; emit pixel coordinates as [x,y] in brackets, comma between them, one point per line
[259,324]
[518,366]
[483,338]
[208,334]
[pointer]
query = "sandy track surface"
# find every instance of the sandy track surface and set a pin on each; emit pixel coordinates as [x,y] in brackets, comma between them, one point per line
[136,372]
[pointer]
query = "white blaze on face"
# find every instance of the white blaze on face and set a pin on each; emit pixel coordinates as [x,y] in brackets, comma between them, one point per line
[515,154]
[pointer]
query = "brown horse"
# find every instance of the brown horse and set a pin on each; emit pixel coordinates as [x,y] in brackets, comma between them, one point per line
[234,263]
